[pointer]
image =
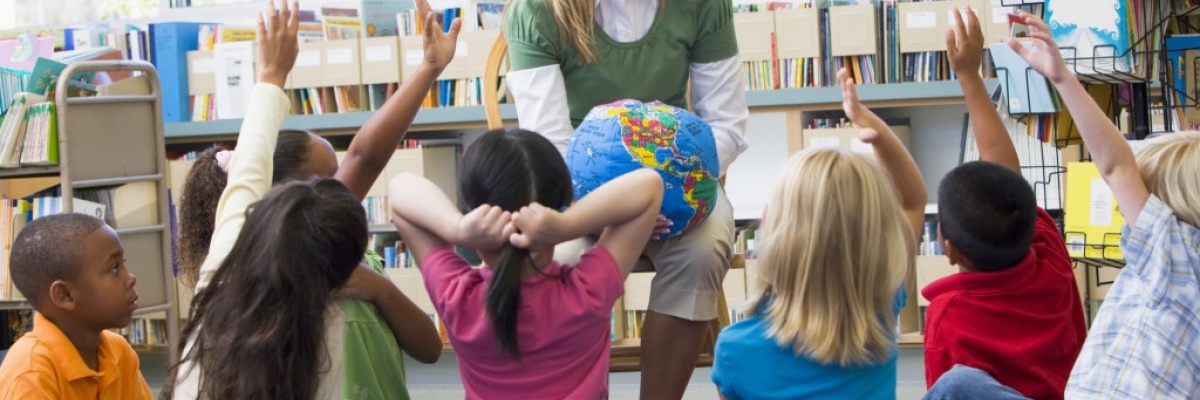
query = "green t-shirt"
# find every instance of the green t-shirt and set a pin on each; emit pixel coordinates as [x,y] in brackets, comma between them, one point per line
[374,364]
[654,67]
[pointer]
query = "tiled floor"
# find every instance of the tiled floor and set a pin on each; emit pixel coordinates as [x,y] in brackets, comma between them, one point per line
[441,381]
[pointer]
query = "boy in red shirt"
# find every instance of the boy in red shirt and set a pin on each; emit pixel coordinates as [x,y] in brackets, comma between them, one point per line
[1014,310]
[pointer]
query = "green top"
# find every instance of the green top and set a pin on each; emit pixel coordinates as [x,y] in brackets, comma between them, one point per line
[654,67]
[374,364]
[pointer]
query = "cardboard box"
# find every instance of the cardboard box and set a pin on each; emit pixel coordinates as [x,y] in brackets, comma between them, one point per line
[309,70]
[845,139]
[470,57]
[201,69]
[797,33]
[929,270]
[380,60]
[341,63]
[853,30]
[754,35]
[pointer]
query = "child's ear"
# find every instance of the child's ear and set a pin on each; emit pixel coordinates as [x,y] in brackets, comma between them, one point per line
[61,296]
[950,251]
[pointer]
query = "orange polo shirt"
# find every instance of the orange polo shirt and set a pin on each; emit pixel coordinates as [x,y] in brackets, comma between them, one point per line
[44,364]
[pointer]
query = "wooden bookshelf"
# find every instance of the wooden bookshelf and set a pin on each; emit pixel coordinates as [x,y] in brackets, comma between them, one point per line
[472,117]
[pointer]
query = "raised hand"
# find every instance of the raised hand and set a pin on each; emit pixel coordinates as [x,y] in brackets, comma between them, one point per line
[537,226]
[277,47]
[964,43]
[439,46]
[1043,56]
[486,227]
[862,117]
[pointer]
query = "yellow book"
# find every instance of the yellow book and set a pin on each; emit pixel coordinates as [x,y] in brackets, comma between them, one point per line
[1092,220]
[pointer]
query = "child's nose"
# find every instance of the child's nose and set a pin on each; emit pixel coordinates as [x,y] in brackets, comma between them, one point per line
[132,279]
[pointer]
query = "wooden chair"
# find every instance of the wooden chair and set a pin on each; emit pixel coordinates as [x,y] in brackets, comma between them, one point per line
[628,357]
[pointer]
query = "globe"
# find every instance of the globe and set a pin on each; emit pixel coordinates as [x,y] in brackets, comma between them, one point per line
[625,135]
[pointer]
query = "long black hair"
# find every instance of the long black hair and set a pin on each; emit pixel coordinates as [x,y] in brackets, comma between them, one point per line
[510,170]
[263,313]
[202,190]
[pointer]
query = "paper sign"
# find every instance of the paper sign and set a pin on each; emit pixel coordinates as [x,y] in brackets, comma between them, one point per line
[824,143]
[308,58]
[414,57]
[339,56]
[1101,206]
[379,54]
[921,20]
[204,66]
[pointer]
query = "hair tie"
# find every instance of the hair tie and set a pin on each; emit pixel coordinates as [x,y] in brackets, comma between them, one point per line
[223,158]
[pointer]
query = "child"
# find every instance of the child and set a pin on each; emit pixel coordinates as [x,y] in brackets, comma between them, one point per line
[523,326]
[1145,340]
[1014,311]
[269,296]
[838,235]
[375,332]
[71,268]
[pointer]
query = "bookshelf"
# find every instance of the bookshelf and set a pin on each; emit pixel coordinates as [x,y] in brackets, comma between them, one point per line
[97,151]
[473,117]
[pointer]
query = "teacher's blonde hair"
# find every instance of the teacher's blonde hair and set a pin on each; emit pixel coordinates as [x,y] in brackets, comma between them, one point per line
[834,248]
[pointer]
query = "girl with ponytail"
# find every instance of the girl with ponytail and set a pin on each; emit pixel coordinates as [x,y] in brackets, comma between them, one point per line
[525,326]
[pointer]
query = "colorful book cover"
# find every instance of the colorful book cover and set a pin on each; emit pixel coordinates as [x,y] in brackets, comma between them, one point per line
[22,52]
[379,16]
[1095,33]
[1028,92]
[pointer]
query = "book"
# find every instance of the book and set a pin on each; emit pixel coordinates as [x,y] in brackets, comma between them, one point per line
[1027,91]
[171,42]
[13,127]
[40,136]
[235,69]
[22,52]
[1093,35]
[379,16]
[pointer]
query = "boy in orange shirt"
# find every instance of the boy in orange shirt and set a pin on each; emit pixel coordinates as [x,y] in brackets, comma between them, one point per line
[71,268]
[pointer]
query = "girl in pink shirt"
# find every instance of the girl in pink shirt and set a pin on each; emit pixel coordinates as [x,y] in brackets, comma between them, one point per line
[525,326]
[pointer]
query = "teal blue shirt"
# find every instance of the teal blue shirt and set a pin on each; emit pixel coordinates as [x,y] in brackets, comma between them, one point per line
[751,365]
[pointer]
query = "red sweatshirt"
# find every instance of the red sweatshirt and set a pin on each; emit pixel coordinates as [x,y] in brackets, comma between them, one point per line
[1023,325]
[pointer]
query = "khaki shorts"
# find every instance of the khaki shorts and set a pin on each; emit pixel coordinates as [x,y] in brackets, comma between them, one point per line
[690,268]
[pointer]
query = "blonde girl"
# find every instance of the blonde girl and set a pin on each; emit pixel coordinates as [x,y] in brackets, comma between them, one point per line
[838,235]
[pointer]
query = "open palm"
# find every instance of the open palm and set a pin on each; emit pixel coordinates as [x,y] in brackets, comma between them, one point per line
[1041,52]
[439,46]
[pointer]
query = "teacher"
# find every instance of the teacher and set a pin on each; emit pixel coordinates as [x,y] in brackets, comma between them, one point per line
[568,56]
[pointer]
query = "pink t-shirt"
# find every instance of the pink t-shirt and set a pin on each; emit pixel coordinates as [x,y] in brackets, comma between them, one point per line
[562,327]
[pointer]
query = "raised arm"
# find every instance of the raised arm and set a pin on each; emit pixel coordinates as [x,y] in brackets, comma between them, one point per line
[1110,151]
[373,145]
[250,169]
[413,330]
[890,152]
[964,44]
[624,208]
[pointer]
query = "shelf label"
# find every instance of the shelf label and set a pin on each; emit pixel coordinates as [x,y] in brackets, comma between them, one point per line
[859,146]
[379,54]
[414,57]
[310,58]
[339,56]
[824,143]
[921,20]
[204,66]
[460,49]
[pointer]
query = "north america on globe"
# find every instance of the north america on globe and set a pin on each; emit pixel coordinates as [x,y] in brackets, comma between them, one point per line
[622,136]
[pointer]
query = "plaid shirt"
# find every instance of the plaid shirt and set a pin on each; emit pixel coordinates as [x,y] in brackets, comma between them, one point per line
[1145,342]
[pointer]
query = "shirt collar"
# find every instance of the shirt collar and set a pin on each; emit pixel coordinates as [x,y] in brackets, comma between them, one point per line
[984,282]
[68,360]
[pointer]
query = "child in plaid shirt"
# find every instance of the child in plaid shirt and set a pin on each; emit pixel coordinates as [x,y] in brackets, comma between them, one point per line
[1145,341]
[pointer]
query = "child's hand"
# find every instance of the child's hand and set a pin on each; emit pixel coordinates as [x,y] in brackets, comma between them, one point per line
[364,284]
[277,48]
[964,44]
[486,227]
[661,227]
[536,226]
[860,115]
[1044,56]
[439,46]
